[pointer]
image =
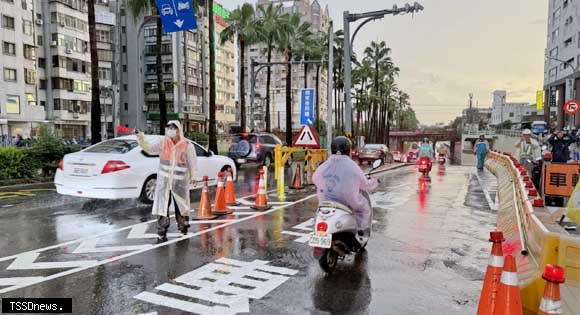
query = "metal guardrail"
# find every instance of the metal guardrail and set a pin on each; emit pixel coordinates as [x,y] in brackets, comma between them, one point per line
[479,132]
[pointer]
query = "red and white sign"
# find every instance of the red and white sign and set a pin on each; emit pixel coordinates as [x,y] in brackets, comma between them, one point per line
[571,107]
[307,138]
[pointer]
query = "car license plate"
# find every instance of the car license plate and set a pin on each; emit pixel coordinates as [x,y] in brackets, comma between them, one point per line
[81,170]
[241,161]
[320,240]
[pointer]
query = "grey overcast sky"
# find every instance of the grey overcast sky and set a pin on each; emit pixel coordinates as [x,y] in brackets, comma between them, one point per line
[455,47]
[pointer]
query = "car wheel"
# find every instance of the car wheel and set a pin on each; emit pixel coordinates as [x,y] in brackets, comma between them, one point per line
[267,160]
[148,191]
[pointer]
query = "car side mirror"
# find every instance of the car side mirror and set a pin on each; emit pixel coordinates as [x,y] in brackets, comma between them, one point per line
[210,153]
[377,164]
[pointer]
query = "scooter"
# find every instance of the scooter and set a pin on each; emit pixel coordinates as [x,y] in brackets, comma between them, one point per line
[335,233]
[425,167]
[441,159]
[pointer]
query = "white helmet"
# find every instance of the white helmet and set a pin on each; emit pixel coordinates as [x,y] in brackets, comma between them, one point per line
[526,132]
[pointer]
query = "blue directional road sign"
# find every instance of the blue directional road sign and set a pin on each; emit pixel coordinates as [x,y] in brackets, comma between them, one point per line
[177,15]
[307,101]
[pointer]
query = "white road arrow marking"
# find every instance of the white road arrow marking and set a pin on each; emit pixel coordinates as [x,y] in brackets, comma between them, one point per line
[26,261]
[18,280]
[179,23]
[90,246]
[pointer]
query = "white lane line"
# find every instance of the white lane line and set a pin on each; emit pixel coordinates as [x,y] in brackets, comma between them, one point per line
[491,204]
[179,304]
[115,258]
[18,280]
[90,246]
[140,232]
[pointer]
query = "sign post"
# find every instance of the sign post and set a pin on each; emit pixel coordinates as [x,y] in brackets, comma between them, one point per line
[571,107]
[307,102]
[177,15]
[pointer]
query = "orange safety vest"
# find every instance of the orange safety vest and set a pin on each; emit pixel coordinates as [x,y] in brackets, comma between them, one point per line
[180,169]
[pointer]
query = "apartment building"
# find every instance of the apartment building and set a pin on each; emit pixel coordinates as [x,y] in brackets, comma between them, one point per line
[561,78]
[318,17]
[185,58]
[20,107]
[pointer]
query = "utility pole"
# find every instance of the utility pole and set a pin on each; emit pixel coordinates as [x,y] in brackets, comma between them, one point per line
[368,16]
[470,116]
[330,85]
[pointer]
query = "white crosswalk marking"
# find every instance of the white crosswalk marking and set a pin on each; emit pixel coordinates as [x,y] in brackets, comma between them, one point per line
[26,261]
[140,231]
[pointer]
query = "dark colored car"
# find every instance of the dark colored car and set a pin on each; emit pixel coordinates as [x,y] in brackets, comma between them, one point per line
[253,148]
[372,152]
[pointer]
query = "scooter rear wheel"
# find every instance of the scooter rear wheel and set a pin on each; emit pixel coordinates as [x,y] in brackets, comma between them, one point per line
[328,260]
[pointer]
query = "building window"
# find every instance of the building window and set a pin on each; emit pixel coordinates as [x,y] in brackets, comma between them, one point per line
[124,68]
[39,40]
[29,76]
[42,84]
[565,4]
[41,63]
[26,27]
[104,74]
[7,22]
[9,74]
[555,34]
[125,87]
[126,106]
[9,48]
[556,16]
[569,21]
[31,99]
[24,5]
[104,36]
[553,72]
[29,52]
[12,104]
[105,55]
[124,48]
[568,42]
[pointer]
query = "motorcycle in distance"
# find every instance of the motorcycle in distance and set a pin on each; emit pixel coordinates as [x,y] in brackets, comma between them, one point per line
[425,167]
[441,159]
[335,233]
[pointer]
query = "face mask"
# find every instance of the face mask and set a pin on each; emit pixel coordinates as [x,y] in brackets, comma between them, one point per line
[171,133]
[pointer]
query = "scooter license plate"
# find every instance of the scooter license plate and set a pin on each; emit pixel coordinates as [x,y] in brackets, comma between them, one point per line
[320,240]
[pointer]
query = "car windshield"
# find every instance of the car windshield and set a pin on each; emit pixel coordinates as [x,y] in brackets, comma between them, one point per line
[373,147]
[113,146]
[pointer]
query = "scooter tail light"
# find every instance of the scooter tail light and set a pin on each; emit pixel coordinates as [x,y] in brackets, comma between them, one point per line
[321,227]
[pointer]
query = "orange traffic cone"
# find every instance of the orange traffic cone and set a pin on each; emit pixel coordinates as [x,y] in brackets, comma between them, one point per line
[261,197]
[551,303]
[230,191]
[492,275]
[509,300]
[204,210]
[220,197]
[297,182]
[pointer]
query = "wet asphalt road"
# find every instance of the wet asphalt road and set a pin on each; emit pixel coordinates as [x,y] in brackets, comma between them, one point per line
[426,256]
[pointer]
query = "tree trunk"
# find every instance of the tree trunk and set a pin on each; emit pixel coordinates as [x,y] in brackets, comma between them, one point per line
[289,99]
[95,85]
[242,84]
[212,95]
[388,134]
[318,98]
[268,78]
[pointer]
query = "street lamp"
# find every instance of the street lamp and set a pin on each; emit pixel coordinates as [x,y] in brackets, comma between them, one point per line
[368,16]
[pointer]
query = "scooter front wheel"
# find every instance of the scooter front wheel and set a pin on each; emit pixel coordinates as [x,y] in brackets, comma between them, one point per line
[328,260]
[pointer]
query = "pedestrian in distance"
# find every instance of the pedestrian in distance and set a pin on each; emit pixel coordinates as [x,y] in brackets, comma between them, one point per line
[560,143]
[528,149]
[480,150]
[177,169]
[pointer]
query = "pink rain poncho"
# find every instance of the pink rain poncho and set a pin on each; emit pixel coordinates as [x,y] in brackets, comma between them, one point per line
[340,180]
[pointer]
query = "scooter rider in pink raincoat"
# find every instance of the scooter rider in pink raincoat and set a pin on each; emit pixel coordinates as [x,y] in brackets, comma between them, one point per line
[341,180]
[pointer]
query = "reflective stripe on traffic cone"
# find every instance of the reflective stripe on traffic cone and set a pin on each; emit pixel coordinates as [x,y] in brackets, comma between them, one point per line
[297,181]
[509,300]
[492,275]
[551,300]
[204,210]
[230,191]
[261,198]
[220,197]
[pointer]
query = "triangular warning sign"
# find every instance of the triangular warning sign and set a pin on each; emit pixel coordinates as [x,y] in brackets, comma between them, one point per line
[306,137]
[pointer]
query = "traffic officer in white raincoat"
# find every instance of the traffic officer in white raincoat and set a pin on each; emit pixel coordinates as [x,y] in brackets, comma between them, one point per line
[177,169]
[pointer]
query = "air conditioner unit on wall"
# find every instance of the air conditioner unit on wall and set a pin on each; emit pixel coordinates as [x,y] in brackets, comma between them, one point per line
[68,51]
[38,21]
[54,43]
[145,108]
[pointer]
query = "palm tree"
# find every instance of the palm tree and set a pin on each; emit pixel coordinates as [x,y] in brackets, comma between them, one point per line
[268,32]
[338,52]
[294,32]
[95,85]
[241,22]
